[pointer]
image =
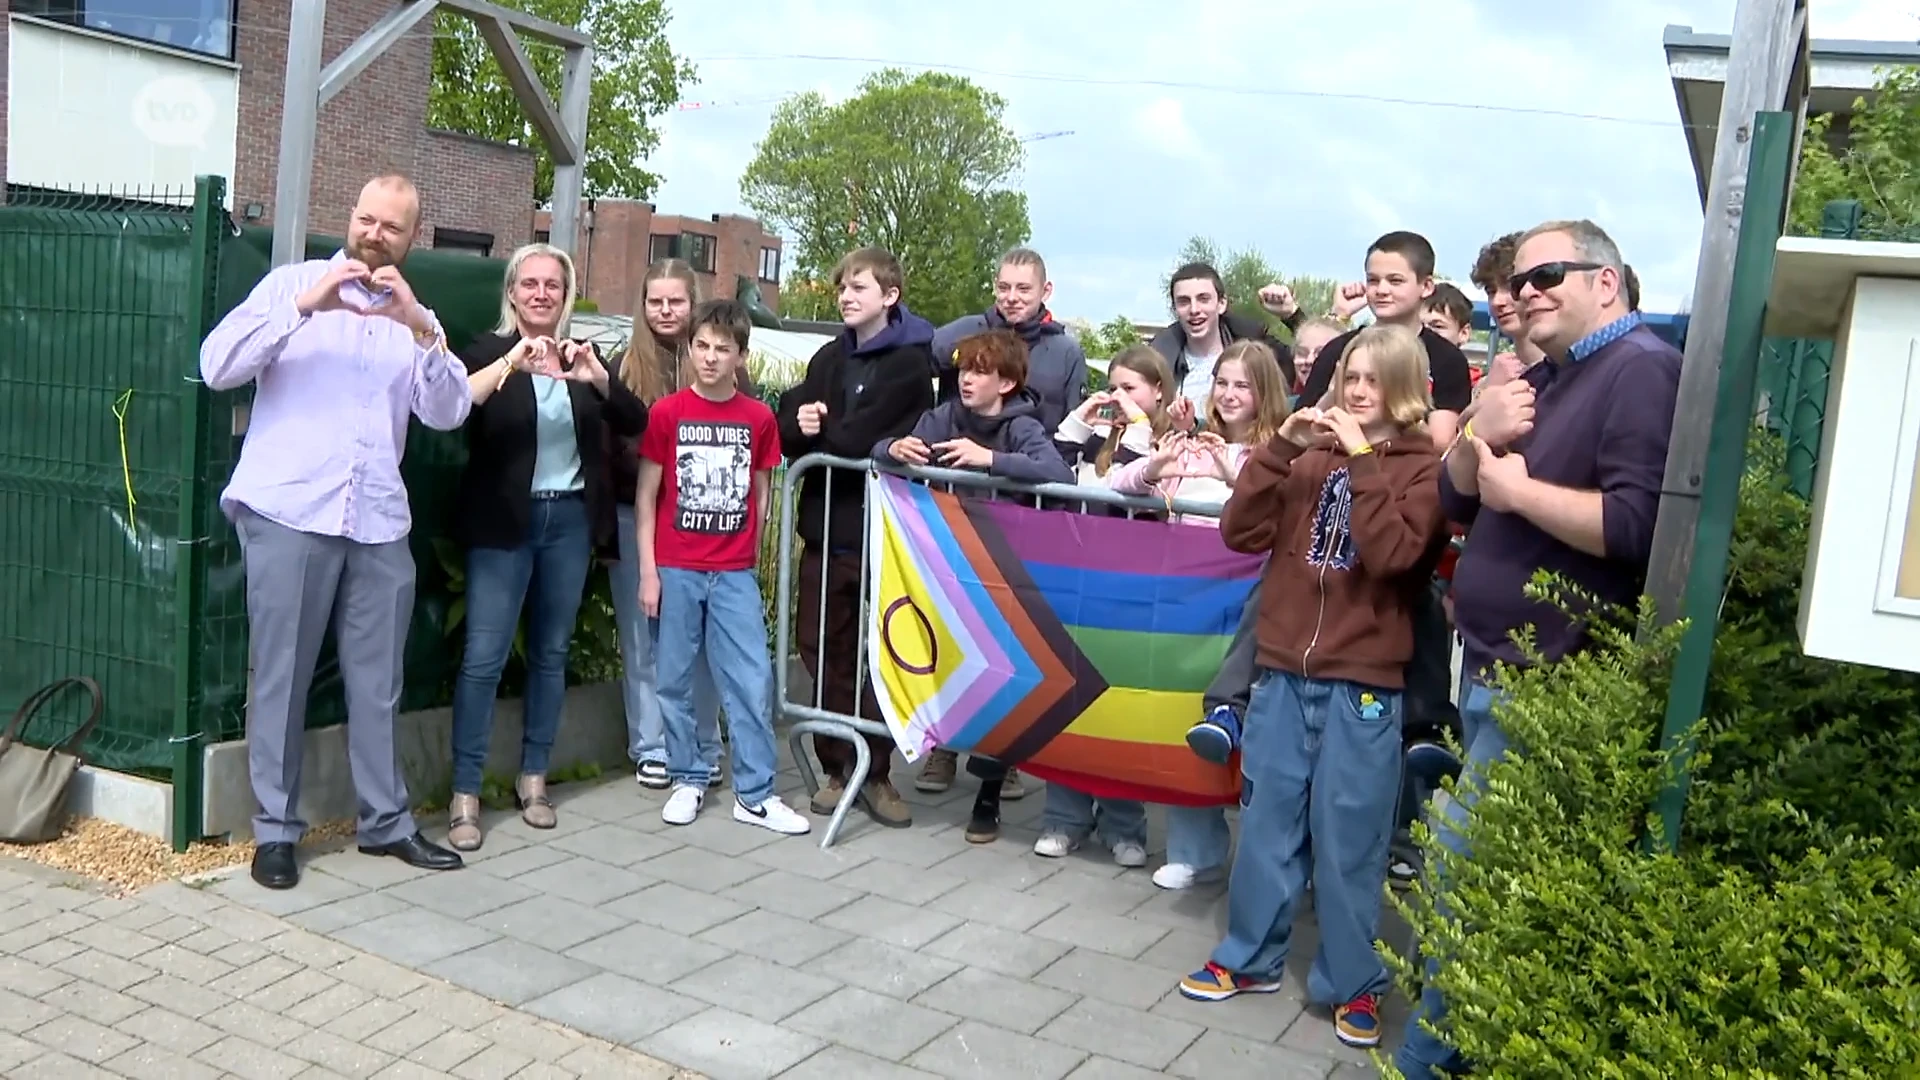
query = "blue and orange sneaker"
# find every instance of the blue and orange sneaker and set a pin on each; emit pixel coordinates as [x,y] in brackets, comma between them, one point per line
[1357,1023]
[1215,983]
[1217,737]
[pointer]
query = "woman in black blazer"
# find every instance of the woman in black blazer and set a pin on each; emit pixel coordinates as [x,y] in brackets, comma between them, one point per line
[535,502]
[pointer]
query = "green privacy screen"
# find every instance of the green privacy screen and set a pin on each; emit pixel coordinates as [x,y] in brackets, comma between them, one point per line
[114,559]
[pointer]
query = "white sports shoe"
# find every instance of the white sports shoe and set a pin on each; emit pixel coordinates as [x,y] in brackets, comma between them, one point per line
[1129,854]
[772,814]
[1054,844]
[683,805]
[1182,876]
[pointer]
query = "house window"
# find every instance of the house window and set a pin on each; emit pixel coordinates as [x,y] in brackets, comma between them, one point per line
[662,247]
[770,265]
[202,26]
[463,240]
[542,236]
[699,250]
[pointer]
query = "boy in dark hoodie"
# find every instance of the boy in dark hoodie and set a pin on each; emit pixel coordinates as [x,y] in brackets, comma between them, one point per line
[870,383]
[991,427]
[1056,366]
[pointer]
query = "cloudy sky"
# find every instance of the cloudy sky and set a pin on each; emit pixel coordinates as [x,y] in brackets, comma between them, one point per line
[1292,126]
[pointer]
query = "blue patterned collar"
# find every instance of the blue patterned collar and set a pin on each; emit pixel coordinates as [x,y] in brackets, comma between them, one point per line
[1603,337]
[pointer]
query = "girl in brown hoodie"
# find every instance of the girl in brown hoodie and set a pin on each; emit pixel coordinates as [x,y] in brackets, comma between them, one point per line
[1346,501]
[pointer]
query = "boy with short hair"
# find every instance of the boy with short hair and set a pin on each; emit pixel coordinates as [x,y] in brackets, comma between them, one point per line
[990,427]
[701,500]
[1448,313]
[871,382]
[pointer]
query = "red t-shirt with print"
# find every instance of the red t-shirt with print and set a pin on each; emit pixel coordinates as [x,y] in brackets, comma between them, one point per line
[708,451]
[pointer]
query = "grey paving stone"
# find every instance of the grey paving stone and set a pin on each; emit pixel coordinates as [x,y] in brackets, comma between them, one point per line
[461,1008]
[1111,934]
[1180,951]
[366,1020]
[353,911]
[931,840]
[999,864]
[840,1063]
[994,999]
[258,971]
[891,922]
[335,1054]
[616,845]
[711,869]
[165,1028]
[1219,1056]
[550,922]
[883,969]
[496,1062]
[329,1005]
[510,971]
[98,1004]
[82,1038]
[382,978]
[976,1051]
[1109,978]
[1312,1032]
[313,890]
[368,873]
[1092,891]
[250,1060]
[242,1019]
[674,907]
[729,1046]
[774,937]
[871,1023]
[1260,1017]
[614,1007]
[1201,909]
[809,861]
[30,944]
[125,944]
[291,991]
[1099,1068]
[648,954]
[16,1051]
[996,906]
[617,1063]
[460,895]
[448,1050]
[716,831]
[407,1034]
[1008,952]
[1151,1042]
[29,979]
[791,894]
[160,1063]
[755,987]
[178,995]
[415,938]
[186,965]
[522,858]
[584,881]
[911,885]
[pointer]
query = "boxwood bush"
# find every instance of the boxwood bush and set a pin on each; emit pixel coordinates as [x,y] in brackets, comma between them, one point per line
[1779,942]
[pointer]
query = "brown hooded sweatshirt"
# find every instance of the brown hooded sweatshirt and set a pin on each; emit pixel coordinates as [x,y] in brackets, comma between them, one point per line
[1352,540]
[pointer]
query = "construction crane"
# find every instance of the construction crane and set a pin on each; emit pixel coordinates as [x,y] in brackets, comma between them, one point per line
[1044,135]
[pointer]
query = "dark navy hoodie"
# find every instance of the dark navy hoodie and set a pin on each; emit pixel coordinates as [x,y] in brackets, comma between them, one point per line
[873,391]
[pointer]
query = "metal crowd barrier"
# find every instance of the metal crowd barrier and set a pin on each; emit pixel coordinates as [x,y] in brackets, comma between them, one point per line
[812,718]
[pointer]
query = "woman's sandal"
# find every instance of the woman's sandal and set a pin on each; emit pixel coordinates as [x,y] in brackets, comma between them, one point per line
[464,830]
[530,797]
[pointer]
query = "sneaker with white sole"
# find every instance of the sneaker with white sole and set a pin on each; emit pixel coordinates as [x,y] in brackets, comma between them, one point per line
[1181,876]
[683,805]
[1055,844]
[652,775]
[1129,854]
[772,814]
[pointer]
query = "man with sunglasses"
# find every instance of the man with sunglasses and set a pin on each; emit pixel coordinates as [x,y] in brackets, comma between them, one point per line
[1559,469]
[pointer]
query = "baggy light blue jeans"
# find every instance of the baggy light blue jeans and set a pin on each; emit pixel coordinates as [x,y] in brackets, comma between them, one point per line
[1198,836]
[639,688]
[550,570]
[717,614]
[1422,1055]
[1080,815]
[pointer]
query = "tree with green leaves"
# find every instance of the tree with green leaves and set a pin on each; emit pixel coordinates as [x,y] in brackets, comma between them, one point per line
[1245,272]
[1105,341]
[921,166]
[637,77]
[1879,165]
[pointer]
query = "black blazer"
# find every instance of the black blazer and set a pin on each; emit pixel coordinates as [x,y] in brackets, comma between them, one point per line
[496,490]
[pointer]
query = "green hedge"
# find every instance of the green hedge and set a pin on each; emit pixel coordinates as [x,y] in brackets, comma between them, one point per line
[1780,942]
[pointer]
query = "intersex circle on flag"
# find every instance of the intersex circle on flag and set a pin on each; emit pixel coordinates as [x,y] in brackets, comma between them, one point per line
[926,632]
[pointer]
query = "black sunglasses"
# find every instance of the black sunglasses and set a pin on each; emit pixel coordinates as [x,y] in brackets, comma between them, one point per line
[1548,275]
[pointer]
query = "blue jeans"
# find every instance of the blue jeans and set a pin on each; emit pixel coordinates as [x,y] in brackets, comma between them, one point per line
[1319,757]
[1423,1055]
[1198,836]
[550,567]
[646,733]
[1079,815]
[718,613]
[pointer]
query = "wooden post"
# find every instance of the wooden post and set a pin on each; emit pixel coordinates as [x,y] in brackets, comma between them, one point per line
[1766,67]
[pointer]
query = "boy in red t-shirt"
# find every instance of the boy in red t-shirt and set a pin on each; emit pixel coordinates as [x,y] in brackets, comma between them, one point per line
[702,498]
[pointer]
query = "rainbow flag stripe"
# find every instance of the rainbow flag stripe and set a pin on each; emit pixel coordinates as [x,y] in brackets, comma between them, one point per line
[1076,646]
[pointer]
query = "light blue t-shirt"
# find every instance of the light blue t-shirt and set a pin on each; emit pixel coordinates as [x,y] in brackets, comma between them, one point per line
[1198,385]
[556,457]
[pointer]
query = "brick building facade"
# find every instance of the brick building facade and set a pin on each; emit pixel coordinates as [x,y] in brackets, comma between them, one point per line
[619,239]
[474,194]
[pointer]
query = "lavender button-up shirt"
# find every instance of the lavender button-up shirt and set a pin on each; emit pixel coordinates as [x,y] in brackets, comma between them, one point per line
[332,392]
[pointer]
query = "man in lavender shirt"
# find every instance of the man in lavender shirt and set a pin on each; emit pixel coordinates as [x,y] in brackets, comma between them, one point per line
[340,353]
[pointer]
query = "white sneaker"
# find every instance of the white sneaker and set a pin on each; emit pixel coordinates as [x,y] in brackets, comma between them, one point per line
[1054,844]
[772,814]
[1182,876]
[683,805]
[1129,854]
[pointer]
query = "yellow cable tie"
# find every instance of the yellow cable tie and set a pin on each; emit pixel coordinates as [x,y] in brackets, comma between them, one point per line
[126,466]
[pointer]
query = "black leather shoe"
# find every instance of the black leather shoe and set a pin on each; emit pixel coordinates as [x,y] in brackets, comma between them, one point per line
[274,866]
[417,850]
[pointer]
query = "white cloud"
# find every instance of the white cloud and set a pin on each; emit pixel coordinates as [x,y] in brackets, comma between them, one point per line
[1292,126]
